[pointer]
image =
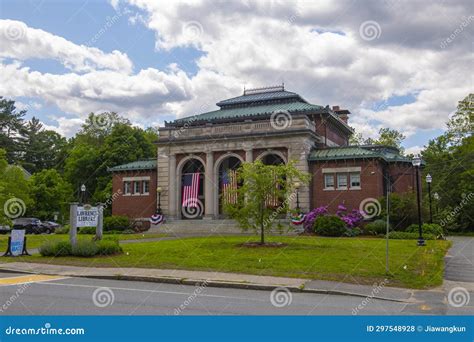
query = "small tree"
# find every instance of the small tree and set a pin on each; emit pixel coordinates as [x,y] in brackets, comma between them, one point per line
[263,186]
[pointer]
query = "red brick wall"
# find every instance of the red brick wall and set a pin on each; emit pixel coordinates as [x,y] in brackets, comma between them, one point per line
[371,179]
[403,177]
[326,130]
[372,182]
[142,206]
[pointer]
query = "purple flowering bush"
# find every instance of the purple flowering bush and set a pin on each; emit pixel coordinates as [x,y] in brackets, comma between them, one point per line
[312,216]
[352,219]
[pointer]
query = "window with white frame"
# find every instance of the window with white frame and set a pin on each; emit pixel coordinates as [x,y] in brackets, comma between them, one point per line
[355,180]
[146,187]
[328,181]
[127,189]
[342,180]
[136,188]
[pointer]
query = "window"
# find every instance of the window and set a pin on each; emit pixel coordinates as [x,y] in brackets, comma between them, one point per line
[355,180]
[136,188]
[146,187]
[329,181]
[342,180]
[126,188]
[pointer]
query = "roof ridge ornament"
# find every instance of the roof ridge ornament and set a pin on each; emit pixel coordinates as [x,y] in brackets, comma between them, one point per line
[269,89]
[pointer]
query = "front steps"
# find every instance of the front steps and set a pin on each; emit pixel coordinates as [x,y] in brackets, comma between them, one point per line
[207,227]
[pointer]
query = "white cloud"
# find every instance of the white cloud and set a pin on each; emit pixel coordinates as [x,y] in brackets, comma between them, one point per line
[149,92]
[414,150]
[20,42]
[261,43]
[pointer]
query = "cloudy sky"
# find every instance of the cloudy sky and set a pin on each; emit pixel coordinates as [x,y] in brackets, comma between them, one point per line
[398,64]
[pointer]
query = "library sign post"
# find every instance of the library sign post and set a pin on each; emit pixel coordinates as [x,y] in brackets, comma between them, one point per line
[85,216]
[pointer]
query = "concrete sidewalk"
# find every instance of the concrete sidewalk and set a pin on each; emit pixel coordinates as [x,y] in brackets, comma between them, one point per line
[216,279]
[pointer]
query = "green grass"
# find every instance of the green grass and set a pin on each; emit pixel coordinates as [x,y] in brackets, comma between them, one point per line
[360,260]
[34,241]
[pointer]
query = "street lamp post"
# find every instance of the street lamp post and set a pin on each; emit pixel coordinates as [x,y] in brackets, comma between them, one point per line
[159,190]
[428,180]
[297,187]
[83,193]
[416,163]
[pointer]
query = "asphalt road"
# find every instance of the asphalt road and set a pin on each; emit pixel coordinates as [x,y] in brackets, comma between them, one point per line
[83,296]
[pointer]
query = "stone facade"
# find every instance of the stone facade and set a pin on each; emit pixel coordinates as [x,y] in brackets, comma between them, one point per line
[275,126]
[247,141]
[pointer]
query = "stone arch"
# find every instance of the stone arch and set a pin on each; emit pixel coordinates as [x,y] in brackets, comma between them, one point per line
[217,166]
[272,152]
[201,167]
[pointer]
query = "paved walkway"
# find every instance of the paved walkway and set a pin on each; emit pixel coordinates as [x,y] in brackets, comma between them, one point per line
[459,262]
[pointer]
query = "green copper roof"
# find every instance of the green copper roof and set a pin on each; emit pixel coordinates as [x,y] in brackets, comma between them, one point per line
[228,113]
[147,164]
[265,96]
[387,153]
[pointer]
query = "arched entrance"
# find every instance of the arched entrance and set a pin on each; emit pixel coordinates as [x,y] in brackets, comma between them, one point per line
[227,181]
[273,159]
[192,201]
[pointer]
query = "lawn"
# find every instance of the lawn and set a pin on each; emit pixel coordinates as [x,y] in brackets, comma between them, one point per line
[34,241]
[360,260]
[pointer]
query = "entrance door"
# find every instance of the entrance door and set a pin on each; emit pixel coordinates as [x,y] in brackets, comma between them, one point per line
[227,181]
[192,190]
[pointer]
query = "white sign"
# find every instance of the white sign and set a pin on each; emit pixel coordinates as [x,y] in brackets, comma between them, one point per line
[87,216]
[17,240]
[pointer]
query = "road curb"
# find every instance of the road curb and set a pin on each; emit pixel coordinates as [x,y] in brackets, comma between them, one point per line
[211,283]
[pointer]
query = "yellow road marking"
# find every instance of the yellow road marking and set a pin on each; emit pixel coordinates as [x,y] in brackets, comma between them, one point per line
[31,278]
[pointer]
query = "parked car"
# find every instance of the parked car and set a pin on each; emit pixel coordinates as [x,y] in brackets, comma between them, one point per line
[52,224]
[5,229]
[32,226]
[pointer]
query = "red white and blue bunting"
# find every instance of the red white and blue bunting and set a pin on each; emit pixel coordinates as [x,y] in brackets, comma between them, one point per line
[297,219]
[157,219]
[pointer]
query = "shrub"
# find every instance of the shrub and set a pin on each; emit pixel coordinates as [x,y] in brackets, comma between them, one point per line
[62,230]
[409,236]
[403,210]
[312,216]
[87,230]
[108,247]
[353,219]
[376,227]
[330,225]
[428,228]
[59,248]
[85,249]
[351,232]
[119,223]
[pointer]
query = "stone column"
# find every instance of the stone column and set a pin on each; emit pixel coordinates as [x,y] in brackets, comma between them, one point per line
[209,186]
[73,223]
[172,212]
[100,222]
[249,155]
[299,152]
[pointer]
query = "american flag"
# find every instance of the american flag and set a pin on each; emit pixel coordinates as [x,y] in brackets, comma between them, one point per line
[229,185]
[272,199]
[190,190]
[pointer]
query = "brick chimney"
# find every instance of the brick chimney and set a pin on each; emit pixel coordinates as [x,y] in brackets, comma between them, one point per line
[343,114]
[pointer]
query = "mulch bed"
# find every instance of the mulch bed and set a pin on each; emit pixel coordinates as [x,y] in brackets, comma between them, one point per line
[266,245]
